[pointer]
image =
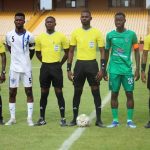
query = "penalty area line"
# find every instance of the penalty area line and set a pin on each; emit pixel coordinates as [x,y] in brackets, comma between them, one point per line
[78,132]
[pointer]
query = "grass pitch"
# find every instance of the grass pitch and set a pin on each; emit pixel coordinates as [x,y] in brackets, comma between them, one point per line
[51,136]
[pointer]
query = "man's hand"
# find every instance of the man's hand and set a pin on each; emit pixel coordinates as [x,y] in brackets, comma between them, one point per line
[99,76]
[70,75]
[105,76]
[143,77]
[136,75]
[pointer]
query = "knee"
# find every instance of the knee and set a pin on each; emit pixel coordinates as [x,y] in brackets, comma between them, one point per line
[129,96]
[78,91]
[12,93]
[44,95]
[29,93]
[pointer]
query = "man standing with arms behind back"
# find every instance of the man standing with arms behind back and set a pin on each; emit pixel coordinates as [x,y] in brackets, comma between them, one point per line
[121,41]
[143,68]
[86,39]
[2,77]
[48,50]
[20,43]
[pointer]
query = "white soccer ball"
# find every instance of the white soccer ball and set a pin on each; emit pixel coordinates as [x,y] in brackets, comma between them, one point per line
[83,120]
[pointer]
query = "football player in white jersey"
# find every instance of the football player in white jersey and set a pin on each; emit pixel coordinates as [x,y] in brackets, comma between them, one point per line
[20,43]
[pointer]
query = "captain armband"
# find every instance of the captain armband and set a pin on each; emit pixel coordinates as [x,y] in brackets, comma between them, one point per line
[143,67]
[69,66]
[136,46]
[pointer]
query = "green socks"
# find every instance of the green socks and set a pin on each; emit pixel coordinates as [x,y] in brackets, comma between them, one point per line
[115,114]
[129,114]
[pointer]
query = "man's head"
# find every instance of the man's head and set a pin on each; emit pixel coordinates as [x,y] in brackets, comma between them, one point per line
[50,23]
[85,17]
[120,20]
[19,20]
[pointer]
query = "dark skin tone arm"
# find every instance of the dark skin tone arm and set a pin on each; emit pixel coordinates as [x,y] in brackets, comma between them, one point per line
[101,73]
[70,59]
[64,57]
[144,61]
[31,53]
[3,61]
[137,60]
[106,61]
[39,56]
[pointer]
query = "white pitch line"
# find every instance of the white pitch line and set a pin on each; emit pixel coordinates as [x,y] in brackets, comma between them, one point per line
[78,132]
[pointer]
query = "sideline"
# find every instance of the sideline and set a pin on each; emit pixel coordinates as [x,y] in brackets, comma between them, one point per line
[78,132]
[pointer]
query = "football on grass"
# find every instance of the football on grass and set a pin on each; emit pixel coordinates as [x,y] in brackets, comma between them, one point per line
[83,120]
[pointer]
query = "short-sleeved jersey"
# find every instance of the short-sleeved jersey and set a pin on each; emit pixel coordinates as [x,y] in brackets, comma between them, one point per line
[51,45]
[147,44]
[2,48]
[121,47]
[20,44]
[87,42]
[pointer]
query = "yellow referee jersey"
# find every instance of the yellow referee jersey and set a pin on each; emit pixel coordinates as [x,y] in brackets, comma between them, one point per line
[87,42]
[51,45]
[147,43]
[2,48]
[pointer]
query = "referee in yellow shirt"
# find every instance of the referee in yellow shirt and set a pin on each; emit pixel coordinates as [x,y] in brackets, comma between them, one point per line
[86,39]
[2,77]
[48,50]
[143,67]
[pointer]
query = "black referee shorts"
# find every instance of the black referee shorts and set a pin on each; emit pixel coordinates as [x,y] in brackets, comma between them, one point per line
[85,69]
[148,79]
[51,73]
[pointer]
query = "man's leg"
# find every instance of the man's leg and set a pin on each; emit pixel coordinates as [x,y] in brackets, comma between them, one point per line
[61,103]
[29,94]
[130,109]
[148,86]
[148,124]
[1,117]
[97,101]
[12,105]
[76,103]
[114,109]
[43,104]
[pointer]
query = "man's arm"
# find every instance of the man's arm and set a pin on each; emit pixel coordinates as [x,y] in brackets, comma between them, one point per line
[69,62]
[3,61]
[106,61]
[137,61]
[102,64]
[31,49]
[65,56]
[8,48]
[39,56]
[143,65]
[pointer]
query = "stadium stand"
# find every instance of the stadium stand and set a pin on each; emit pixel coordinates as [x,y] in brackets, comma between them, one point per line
[7,21]
[102,19]
[68,20]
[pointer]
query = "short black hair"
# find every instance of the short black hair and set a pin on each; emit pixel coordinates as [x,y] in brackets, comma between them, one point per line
[51,18]
[120,14]
[86,11]
[20,14]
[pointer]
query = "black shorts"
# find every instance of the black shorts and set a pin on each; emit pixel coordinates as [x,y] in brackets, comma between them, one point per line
[51,72]
[85,69]
[148,78]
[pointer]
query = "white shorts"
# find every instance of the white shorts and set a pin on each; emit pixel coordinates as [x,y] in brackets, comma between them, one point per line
[16,77]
